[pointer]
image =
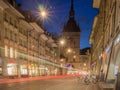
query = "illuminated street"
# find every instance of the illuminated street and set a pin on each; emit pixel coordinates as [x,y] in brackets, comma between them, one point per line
[50,84]
[47,44]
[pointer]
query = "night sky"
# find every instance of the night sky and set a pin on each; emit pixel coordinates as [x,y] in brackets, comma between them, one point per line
[59,14]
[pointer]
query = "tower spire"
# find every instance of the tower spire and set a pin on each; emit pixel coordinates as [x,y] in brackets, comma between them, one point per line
[71,14]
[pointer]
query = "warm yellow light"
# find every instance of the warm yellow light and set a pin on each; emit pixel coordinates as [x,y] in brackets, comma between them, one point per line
[15,53]
[6,51]
[32,46]
[69,50]
[62,42]
[61,60]
[84,64]
[11,52]
[74,56]
[43,14]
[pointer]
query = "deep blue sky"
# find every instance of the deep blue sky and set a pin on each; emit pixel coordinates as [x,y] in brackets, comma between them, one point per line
[59,14]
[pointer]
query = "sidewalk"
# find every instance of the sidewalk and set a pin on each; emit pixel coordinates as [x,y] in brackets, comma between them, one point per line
[106,86]
[6,81]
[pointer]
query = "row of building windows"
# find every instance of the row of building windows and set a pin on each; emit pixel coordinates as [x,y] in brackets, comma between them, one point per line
[32,44]
[19,35]
[10,20]
[10,35]
[20,29]
[10,52]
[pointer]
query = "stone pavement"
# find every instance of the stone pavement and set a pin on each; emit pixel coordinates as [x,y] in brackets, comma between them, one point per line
[70,83]
[106,86]
[101,85]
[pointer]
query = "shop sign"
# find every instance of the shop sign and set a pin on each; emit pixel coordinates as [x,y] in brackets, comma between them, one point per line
[117,40]
[116,70]
[107,49]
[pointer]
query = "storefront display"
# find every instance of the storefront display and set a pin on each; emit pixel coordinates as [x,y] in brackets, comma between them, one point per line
[12,69]
[31,70]
[42,70]
[23,69]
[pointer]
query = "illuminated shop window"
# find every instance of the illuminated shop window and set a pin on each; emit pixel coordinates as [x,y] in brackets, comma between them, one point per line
[12,69]
[11,52]
[23,69]
[6,51]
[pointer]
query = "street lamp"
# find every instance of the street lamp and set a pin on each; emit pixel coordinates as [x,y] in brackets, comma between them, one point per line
[69,50]
[74,56]
[84,64]
[62,42]
[43,13]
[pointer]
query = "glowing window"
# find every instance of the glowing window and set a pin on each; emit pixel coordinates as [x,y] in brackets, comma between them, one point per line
[6,51]
[11,52]
[15,53]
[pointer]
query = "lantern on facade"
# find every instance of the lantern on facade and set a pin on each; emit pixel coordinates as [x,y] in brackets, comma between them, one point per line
[104,55]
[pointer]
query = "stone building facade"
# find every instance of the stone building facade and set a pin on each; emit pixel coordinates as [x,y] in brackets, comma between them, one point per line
[26,49]
[105,39]
[85,60]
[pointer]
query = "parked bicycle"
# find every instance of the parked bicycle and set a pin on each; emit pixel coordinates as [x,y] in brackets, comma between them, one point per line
[88,80]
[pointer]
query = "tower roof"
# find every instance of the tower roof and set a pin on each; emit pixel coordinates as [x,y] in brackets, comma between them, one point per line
[71,25]
[71,13]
